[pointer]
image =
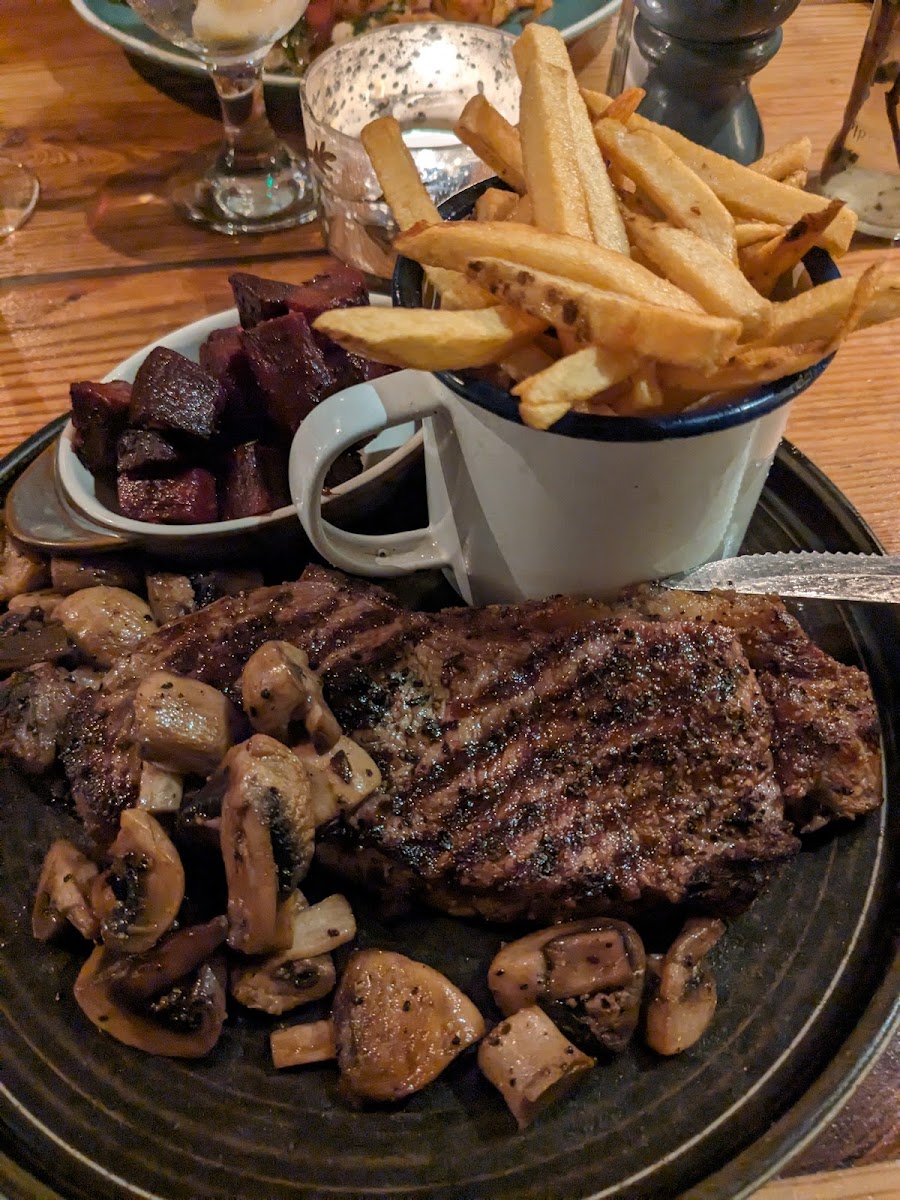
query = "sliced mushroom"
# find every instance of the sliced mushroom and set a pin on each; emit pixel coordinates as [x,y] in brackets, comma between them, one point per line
[170,596]
[21,570]
[160,790]
[30,637]
[139,896]
[282,697]
[398,1024]
[106,570]
[182,724]
[105,623]
[183,1022]
[282,982]
[26,602]
[530,1062]
[682,989]
[588,975]
[267,838]
[340,779]
[63,893]
[292,976]
[135,978]
[298,1045]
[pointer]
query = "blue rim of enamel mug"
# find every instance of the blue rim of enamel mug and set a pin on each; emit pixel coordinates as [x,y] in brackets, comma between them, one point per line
[407,293]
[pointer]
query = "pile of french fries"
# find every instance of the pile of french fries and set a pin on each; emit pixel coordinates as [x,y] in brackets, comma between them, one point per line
[627,271]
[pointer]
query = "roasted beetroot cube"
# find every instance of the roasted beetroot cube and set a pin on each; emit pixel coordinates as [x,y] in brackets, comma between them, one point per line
[147,451]
[254,481]
[223,356]
[188,498]
[344,287]
[288,368]
[176,395]
[259,299]
[99,413]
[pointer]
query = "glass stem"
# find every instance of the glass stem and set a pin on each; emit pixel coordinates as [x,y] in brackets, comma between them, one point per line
[250,141]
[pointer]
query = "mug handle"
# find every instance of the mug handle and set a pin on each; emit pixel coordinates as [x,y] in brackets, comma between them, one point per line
[356,414]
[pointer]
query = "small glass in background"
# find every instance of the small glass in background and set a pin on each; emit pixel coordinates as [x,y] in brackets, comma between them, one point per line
[862,164]
[19,190]
[422,74]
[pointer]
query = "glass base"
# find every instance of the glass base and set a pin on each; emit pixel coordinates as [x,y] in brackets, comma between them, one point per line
[19,192]
[212,192]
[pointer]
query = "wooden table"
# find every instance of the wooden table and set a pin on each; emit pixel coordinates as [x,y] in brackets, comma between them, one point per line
[104,267]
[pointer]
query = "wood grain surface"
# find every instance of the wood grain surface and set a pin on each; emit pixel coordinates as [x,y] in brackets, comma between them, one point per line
[104,266]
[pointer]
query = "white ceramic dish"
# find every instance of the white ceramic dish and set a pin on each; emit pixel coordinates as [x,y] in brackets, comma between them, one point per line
[571,17]
[385,461]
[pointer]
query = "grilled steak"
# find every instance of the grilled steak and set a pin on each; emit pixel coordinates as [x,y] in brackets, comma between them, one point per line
[540,760]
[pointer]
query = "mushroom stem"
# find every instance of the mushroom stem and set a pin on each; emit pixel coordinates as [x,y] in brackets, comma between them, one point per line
[301,1044]
[530,1063]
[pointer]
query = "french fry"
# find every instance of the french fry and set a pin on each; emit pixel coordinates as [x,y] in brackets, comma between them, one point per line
[625,105]
[495,205]
[524,211]
[672,186]
[526,361]
[748,232]
[540,44]
[644,393]
[540,47]
[747,194]
[457,241]
[818,314]
[494,140]
[429,339]
[548,153]
[702,271]
[408,199]
[796,179]
[549,394]
[791,157]
[604,318]
[749,367]
[765,262]
[404,192]
[604,217]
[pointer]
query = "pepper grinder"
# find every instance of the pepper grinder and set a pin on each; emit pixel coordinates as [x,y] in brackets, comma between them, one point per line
[694,59]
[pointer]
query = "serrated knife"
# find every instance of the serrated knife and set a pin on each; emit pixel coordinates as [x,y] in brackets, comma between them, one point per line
[811,574]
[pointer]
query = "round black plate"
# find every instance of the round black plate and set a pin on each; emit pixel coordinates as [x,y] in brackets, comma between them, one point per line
[807,980]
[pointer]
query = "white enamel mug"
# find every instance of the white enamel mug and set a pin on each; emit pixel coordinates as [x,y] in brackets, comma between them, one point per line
[519,513]
[588,507]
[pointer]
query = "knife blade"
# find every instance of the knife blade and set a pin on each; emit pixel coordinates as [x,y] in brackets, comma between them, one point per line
[812,574]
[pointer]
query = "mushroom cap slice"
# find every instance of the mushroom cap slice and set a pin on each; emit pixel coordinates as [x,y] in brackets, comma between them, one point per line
[136,978]
[398,1024]
[182,724]
[63,893]
[282,696]
[105,623]
[184,1022]
[588,976]
[267,838]
[139,896]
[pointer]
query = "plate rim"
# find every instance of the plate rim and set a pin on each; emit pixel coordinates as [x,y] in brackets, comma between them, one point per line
[182,60]
[828,1092]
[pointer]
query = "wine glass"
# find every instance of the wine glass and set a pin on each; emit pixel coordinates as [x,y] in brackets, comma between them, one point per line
[18,195]
[253,183]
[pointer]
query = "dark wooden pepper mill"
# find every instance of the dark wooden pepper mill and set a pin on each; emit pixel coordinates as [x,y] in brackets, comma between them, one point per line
[698,56]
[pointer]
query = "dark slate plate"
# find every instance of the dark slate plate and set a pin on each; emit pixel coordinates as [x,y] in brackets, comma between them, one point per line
[808,982]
